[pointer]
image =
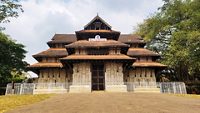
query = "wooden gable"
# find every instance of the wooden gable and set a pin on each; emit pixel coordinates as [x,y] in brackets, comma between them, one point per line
[97,23]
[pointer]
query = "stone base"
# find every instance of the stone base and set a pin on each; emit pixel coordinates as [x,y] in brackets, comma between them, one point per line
[80,89]
[49,91]
[116,88]
[147,90]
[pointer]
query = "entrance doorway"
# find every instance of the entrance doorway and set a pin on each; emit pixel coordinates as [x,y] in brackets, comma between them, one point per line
[98,77]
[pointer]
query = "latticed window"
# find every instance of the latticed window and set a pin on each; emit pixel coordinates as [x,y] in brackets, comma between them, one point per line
[100,51]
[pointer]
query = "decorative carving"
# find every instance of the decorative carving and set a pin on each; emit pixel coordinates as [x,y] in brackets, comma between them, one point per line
[97,38]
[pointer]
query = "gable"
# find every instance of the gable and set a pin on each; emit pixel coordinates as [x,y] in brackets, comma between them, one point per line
[97,23]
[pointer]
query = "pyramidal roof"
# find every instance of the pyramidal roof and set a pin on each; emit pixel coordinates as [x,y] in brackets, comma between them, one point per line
[98,18]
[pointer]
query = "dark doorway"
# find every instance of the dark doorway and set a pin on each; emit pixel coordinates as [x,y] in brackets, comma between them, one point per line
[98,77]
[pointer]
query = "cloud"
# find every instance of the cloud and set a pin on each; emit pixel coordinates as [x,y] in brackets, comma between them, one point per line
[43,18]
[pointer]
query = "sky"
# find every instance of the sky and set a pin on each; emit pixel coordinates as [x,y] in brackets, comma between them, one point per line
[43,18]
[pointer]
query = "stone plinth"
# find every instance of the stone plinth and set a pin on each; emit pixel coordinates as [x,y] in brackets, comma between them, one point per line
[116,88]
[80,89]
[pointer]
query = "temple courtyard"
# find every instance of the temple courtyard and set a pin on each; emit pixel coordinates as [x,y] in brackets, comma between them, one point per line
[101,102]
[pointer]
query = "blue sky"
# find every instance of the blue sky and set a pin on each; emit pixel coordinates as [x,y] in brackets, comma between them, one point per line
[43,18]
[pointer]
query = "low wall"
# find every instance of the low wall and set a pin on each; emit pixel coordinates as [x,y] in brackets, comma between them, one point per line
[31,88]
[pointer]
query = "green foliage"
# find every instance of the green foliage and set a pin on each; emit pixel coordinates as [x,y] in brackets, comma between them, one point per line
[11,59]
[11,53]
[174,31]
[9,8]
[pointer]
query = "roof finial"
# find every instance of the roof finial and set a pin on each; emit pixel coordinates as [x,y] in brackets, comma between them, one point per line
[97,14]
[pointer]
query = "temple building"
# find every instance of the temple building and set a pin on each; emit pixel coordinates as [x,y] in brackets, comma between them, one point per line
[97,58]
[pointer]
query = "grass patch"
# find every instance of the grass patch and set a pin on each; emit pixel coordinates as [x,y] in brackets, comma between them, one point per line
[188,95]
[9,102]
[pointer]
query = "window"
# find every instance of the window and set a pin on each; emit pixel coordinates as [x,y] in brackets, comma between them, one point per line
[78,51]
[97,25]
[115,51]
[100,51]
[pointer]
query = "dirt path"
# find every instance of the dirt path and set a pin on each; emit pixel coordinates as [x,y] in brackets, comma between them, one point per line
[113,103]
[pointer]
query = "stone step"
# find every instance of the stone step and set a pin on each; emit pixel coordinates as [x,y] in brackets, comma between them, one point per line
[49,91]
[147,90]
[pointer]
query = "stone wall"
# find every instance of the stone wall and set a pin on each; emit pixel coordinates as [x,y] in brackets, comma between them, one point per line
[114,77]
[81,74]
[53,75]
[141,74]
[81,78]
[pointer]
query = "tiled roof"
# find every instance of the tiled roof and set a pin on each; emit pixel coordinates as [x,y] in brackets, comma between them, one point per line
[148,64]
[98,57]
[141,52]
[85,43]
[69,38]
[43,65]
[130,38]
[52,52]
[63,38]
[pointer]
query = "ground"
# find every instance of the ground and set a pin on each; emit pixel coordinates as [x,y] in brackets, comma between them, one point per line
[101,102]
[12,101]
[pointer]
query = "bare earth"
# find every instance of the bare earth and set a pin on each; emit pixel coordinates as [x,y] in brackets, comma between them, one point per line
[101,102]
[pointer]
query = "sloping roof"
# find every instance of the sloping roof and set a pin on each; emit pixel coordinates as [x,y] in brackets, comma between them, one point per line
[148,64]
[85,43]
[97,57]
[63,38]
[130,38]
[141,52]
[69,38]
[52,52]
[97,31]
[43,65]
[95,18]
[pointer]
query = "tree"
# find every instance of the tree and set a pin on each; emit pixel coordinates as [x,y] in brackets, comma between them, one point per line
[11,59]
[11,53]
[9,8]
[174,31]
